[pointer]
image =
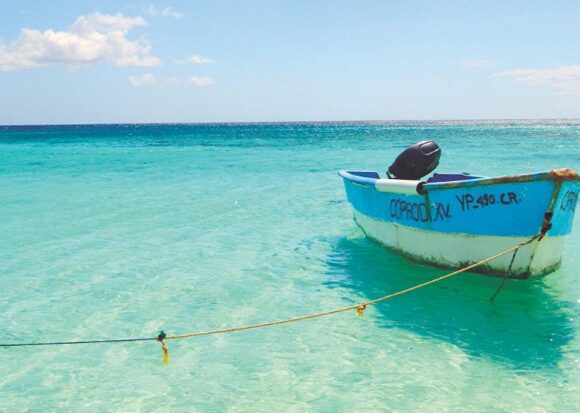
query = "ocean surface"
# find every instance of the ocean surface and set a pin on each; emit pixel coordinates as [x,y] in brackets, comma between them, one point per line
[120,231]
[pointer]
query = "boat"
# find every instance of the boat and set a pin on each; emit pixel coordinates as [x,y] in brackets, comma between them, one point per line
[452,220]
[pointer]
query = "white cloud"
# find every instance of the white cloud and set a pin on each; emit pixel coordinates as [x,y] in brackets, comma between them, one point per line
[152,10]
[565,79]
[198,81]
[144,80]
[199,60]
[104,23]
[193,81]
[195,60]
[149,80]
[173,81]
[93,38]
[474,64]
[169,12]
[166,12]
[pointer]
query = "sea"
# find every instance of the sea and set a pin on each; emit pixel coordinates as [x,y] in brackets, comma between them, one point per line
[112,232]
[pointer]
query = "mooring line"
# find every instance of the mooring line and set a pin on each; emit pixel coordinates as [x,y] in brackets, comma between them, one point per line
[65,343]
[360,308]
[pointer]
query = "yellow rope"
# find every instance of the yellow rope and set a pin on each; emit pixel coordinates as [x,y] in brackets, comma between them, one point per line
[359,307]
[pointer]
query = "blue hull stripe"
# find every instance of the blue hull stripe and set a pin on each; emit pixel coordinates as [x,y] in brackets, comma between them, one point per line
[476,207]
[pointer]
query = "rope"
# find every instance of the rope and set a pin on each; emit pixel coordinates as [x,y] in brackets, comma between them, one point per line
[359,307]
[546,226]
[64,343]
[505,278]
[162,337]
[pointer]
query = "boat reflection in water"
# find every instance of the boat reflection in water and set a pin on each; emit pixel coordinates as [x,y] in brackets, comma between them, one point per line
[527,326]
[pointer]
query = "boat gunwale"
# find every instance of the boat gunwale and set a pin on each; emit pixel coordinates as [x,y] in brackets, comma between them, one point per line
[362,180]
[552,175]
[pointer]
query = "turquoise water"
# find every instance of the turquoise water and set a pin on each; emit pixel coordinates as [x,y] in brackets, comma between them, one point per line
[123,230]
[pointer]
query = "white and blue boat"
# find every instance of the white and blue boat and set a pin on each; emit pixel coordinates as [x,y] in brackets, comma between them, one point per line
[453,220]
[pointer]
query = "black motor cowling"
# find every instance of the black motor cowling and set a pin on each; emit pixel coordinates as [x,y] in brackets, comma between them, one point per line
[416,161]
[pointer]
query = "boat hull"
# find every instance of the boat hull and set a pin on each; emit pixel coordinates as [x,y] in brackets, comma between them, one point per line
[459,250]
[454,224]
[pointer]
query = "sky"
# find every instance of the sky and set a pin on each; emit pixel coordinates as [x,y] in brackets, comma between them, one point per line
[75,62]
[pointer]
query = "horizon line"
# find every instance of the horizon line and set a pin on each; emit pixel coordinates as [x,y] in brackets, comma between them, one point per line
[281,122]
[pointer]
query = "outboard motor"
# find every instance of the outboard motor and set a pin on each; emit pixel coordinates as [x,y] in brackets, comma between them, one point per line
[416,161]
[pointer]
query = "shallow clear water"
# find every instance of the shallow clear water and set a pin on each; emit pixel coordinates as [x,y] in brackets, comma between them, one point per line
[123,230]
